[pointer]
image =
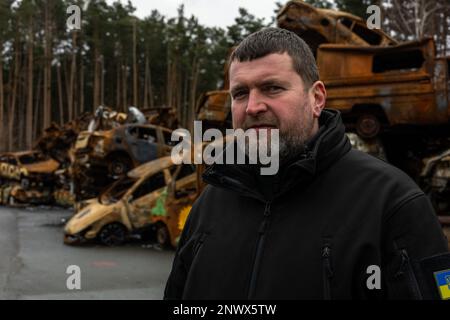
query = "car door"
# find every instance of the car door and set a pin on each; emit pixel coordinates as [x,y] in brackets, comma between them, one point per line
[143,199]
[143,143]
[166,142]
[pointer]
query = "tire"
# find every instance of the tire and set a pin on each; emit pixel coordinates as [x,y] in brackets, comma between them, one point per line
[113,234]
[163,235]
[119,166]
[368,126]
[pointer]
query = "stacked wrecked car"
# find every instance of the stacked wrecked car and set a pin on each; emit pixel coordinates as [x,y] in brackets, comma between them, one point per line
[26,177]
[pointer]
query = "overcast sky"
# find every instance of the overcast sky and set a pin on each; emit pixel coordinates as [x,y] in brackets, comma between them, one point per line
[219,13]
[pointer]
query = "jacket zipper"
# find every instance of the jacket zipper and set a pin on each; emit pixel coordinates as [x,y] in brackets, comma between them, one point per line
[327,271]
[259,248]
[406,267]
[199,244]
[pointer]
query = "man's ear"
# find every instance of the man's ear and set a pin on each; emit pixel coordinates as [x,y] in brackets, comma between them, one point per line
[318,95]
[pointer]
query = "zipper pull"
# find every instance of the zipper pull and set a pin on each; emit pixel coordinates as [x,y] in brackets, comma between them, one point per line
[326,255]
[267,209]
[263,226]
[403,263]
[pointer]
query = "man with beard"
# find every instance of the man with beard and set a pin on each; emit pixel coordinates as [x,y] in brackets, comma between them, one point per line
[332,223]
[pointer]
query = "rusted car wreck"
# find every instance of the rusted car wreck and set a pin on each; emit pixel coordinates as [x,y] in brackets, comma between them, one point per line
[157,194]
[100,157]
[26,177]
[375,81]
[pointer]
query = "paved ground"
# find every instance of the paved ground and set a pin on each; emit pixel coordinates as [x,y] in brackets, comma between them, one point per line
[34,260]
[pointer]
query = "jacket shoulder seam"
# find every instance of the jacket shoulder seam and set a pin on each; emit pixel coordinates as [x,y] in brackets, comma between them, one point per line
[407,199]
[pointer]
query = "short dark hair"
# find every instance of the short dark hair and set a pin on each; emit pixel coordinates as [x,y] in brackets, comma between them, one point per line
[276,40]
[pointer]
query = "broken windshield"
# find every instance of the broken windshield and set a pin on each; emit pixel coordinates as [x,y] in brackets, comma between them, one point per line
[117,190]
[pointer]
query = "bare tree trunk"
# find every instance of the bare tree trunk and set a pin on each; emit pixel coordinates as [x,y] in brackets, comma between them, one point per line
[70,105]
[29,112]
[96,99]
[2,101]
[169,79]
[47,66]
[135,69]
[60,96]
[102,80]
[124,88]
[152,104]
[37,105]
[193,96]
[118,80]
[21,109]
[148,91]
[146,81]
[12,105]
[82,107]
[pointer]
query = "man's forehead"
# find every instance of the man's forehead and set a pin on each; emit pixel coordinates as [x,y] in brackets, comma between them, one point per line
[271,67]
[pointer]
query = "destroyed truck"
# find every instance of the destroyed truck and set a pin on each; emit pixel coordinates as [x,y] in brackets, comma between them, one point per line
[372,79]
[100,157]
[26,177]
[397,93]
[320,26]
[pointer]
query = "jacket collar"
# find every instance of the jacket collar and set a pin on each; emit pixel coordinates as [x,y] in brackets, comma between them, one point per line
[325,148]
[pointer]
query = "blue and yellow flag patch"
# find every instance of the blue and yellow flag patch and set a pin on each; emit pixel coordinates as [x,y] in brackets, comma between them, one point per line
[443,283]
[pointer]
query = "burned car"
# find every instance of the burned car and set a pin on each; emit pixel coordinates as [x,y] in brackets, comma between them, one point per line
[319,26]
[214,109]
[26,177]
[151,195]
[100,157]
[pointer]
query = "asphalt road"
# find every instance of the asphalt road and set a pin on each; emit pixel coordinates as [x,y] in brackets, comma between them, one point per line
[34,261]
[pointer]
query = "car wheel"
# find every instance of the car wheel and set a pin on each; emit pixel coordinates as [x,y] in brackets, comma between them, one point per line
[113,234]
[368,126]
[119,166]
[162,235]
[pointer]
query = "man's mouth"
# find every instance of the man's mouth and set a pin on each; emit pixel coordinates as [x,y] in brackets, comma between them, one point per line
[262,126]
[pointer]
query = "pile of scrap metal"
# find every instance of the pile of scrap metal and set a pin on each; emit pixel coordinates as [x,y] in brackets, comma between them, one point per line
[110,144]
[156,196]
[102,156]
[162,116]
[77,160]
[26,177]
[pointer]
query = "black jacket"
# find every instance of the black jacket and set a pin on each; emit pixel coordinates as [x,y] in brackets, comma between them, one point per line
[328,215]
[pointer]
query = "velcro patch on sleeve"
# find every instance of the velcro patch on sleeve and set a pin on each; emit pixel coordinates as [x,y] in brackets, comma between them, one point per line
[435,276]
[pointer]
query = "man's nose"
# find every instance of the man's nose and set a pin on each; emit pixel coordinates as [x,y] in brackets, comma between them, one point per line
[255,104]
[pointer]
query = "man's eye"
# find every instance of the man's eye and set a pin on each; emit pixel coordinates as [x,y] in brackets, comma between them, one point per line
[273,89]
[239,95]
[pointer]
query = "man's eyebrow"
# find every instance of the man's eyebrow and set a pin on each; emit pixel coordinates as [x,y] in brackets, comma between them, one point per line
[237,88]
[271,81]
[261,83]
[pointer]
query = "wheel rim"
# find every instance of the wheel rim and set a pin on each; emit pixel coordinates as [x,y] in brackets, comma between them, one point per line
[113,235]
[368,126]
[118,168]
[162,235]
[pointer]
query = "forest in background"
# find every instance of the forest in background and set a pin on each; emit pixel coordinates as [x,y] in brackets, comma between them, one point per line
[51,74]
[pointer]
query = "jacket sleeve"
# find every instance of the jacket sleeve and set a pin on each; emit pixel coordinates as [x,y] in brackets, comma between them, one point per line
[177,277]
[414,249]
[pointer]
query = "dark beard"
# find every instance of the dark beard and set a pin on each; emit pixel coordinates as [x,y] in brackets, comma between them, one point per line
[290,149]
